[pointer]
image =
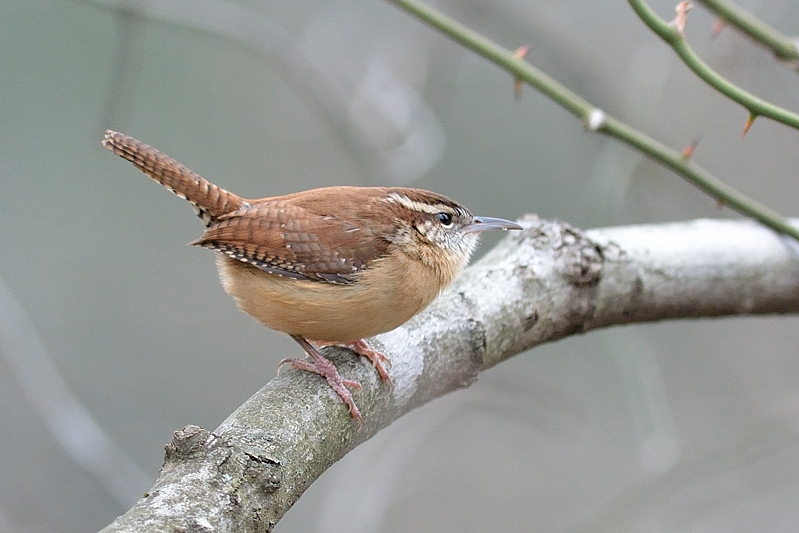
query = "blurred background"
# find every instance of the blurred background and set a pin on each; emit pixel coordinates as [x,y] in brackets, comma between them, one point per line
[114,333]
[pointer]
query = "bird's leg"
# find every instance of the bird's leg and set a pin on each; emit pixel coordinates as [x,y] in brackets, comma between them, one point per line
[325,368]
[362,348]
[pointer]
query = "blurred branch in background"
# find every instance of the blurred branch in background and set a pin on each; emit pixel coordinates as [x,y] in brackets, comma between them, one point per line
[70,423]
[599,121]
[126,67]
[784,48]
[388,124]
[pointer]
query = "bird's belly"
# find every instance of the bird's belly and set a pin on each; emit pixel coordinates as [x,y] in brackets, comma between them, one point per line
[323,311]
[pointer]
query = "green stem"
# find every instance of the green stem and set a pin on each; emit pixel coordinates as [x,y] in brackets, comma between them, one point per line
[701,178]
[784,48]
[756,106]
[595,119]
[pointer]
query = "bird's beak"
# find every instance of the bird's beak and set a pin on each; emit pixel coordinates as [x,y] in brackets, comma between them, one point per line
[489,223]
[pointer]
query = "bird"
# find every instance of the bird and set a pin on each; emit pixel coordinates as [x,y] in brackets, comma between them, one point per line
[332,265]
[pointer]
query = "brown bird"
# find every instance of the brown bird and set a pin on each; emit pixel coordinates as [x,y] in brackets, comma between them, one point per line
[333,265]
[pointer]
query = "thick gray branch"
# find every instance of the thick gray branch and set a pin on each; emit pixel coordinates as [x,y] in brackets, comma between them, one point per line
[542,284]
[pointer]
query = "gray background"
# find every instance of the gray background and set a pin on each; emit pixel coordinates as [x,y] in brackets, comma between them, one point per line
[688,426]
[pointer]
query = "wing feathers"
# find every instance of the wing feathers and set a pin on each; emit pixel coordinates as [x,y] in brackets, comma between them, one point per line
[287,240]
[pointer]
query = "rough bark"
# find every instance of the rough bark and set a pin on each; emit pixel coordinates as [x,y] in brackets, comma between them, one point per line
[539,285]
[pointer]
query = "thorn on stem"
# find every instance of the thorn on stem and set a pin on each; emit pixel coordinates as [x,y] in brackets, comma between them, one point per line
[521,53]
[689,150]
[523,50]
[517,89]
[749,121]
[681,19]
[718,25]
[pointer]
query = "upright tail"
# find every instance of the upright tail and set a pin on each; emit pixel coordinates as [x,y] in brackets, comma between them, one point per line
[209,201]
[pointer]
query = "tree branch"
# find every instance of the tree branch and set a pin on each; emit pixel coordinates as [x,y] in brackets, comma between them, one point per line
[784,48]
[597,120]
[676,39]
[539,285]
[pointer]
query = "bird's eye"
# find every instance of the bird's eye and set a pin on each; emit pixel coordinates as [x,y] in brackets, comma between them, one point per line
[444,218]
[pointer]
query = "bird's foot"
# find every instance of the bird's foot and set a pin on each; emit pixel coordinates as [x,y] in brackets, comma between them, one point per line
[325,368]
[361,347]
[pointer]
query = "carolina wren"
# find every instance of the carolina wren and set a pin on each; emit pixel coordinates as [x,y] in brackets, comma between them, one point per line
[335,265]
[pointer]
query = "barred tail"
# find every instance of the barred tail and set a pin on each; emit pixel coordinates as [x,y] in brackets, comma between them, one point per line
[209,201]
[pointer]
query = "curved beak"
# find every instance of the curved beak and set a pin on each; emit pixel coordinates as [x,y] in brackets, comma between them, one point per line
[488,224]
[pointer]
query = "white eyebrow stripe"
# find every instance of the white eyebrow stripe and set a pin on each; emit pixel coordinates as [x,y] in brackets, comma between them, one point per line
[420,206]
